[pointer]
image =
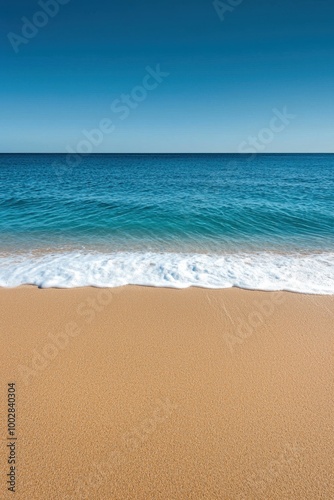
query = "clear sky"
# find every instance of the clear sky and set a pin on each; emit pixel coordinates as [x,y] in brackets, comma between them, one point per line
[226,74]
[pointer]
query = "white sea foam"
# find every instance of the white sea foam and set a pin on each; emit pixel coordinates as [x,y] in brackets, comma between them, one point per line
[311,273]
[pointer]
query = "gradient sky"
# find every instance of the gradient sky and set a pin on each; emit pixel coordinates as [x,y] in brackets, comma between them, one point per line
[225,77]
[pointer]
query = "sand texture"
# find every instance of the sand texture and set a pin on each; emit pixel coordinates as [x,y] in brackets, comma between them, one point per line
[141,393]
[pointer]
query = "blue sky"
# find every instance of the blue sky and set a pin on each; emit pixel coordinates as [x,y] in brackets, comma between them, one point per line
[225,77]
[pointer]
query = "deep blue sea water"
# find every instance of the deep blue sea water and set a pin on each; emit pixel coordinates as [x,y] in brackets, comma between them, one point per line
[265,222]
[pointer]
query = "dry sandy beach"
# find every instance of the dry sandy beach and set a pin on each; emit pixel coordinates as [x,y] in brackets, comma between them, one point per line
[141,393]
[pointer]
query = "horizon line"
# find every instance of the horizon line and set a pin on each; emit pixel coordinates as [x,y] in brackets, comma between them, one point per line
[166,154]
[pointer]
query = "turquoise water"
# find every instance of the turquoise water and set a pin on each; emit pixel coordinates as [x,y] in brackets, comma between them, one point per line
[168,220]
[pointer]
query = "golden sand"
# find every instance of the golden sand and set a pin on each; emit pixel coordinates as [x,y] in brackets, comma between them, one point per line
[142,393]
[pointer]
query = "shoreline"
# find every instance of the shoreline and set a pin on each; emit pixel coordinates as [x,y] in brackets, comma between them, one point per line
[117,288]
[301,273]
[142,392]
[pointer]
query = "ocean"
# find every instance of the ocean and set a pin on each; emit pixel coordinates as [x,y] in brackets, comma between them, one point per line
[178,220]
